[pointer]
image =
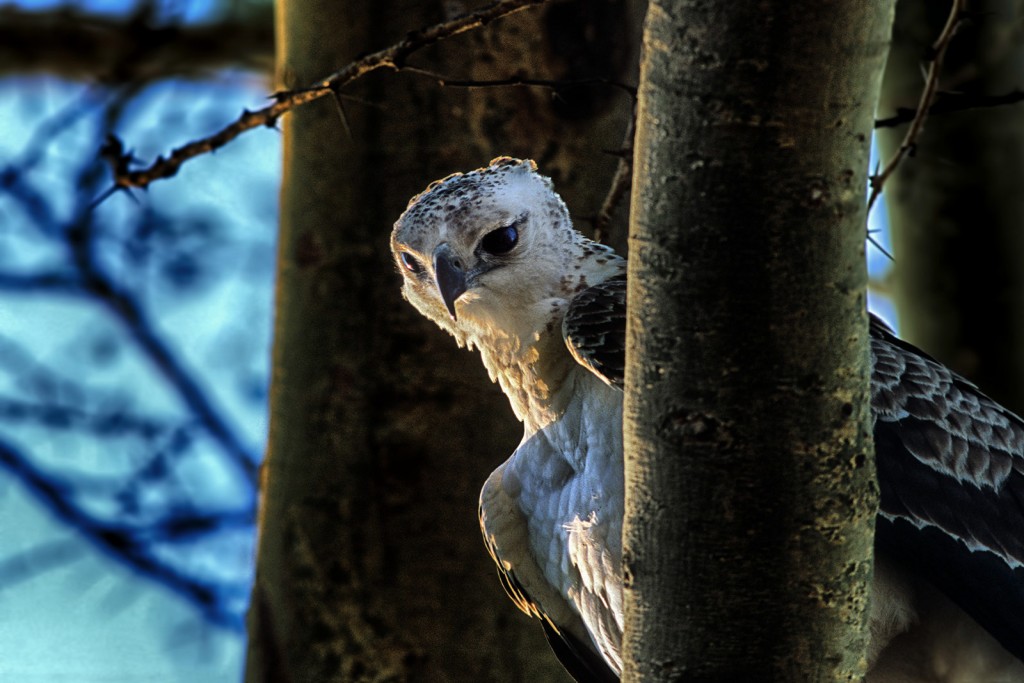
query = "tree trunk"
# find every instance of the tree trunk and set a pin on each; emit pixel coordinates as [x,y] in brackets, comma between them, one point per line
[371,566]
[750,499]
[956,207]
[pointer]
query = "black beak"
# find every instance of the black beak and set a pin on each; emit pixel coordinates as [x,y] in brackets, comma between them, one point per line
[450,278]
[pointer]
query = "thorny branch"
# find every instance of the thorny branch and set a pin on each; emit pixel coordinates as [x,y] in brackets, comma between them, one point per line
[512,81]
[949,102]
[621,181]
[931,102]
[931,85]
[392,57]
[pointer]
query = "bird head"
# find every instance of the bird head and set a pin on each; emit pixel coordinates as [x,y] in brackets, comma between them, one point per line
[488,249]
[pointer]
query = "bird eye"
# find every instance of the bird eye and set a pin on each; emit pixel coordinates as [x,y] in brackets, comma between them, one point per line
[500,241]
[410,263]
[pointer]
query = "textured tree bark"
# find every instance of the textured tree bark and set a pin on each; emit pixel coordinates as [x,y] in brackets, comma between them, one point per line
[371,566]
[749,467]
[956,206]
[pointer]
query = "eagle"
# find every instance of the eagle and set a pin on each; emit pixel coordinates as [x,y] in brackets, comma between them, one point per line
[491,256]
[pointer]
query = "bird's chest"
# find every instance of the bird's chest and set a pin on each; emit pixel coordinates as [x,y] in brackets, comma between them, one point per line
[570,489]
[569,480]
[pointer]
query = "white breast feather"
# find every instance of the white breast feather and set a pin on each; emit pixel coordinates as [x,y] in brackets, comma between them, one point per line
[570,481]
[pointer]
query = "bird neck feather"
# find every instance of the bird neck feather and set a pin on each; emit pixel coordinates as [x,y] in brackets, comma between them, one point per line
[531,365]
[522,345]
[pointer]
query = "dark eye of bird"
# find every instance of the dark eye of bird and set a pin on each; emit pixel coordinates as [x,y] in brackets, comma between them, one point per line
[410,263]
[500,241]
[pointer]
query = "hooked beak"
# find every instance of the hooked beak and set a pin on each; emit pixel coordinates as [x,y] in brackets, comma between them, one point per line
[449,276]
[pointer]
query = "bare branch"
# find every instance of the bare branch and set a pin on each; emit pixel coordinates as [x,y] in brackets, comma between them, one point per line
[40,558]
[80,45]
[514,81]
[621,181]
[948,102]
[931,85]
[124,542]
[392,57]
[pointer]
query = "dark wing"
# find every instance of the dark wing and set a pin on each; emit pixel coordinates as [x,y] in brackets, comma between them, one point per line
[951,473]
[582,663]
[579,658]
[595,330]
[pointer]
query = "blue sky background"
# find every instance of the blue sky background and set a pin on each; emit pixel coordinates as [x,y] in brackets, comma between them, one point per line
[89,617]
[69,611]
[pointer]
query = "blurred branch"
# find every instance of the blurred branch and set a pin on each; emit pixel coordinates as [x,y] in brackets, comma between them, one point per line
[392,57]
[54,415]
[520,81]
[40,558]
[621,181]
[127,309]
[146,505]
[87,277]
[78,45]
[92,282]
[949,102]
[126,543]
[60,282]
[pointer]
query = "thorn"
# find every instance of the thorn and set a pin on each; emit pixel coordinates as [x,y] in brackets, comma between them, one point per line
[879,247]
[106,194]
[341,112]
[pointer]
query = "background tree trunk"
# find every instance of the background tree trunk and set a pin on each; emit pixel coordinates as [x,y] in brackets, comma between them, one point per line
[371,565]
[956,206]
[748,437]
